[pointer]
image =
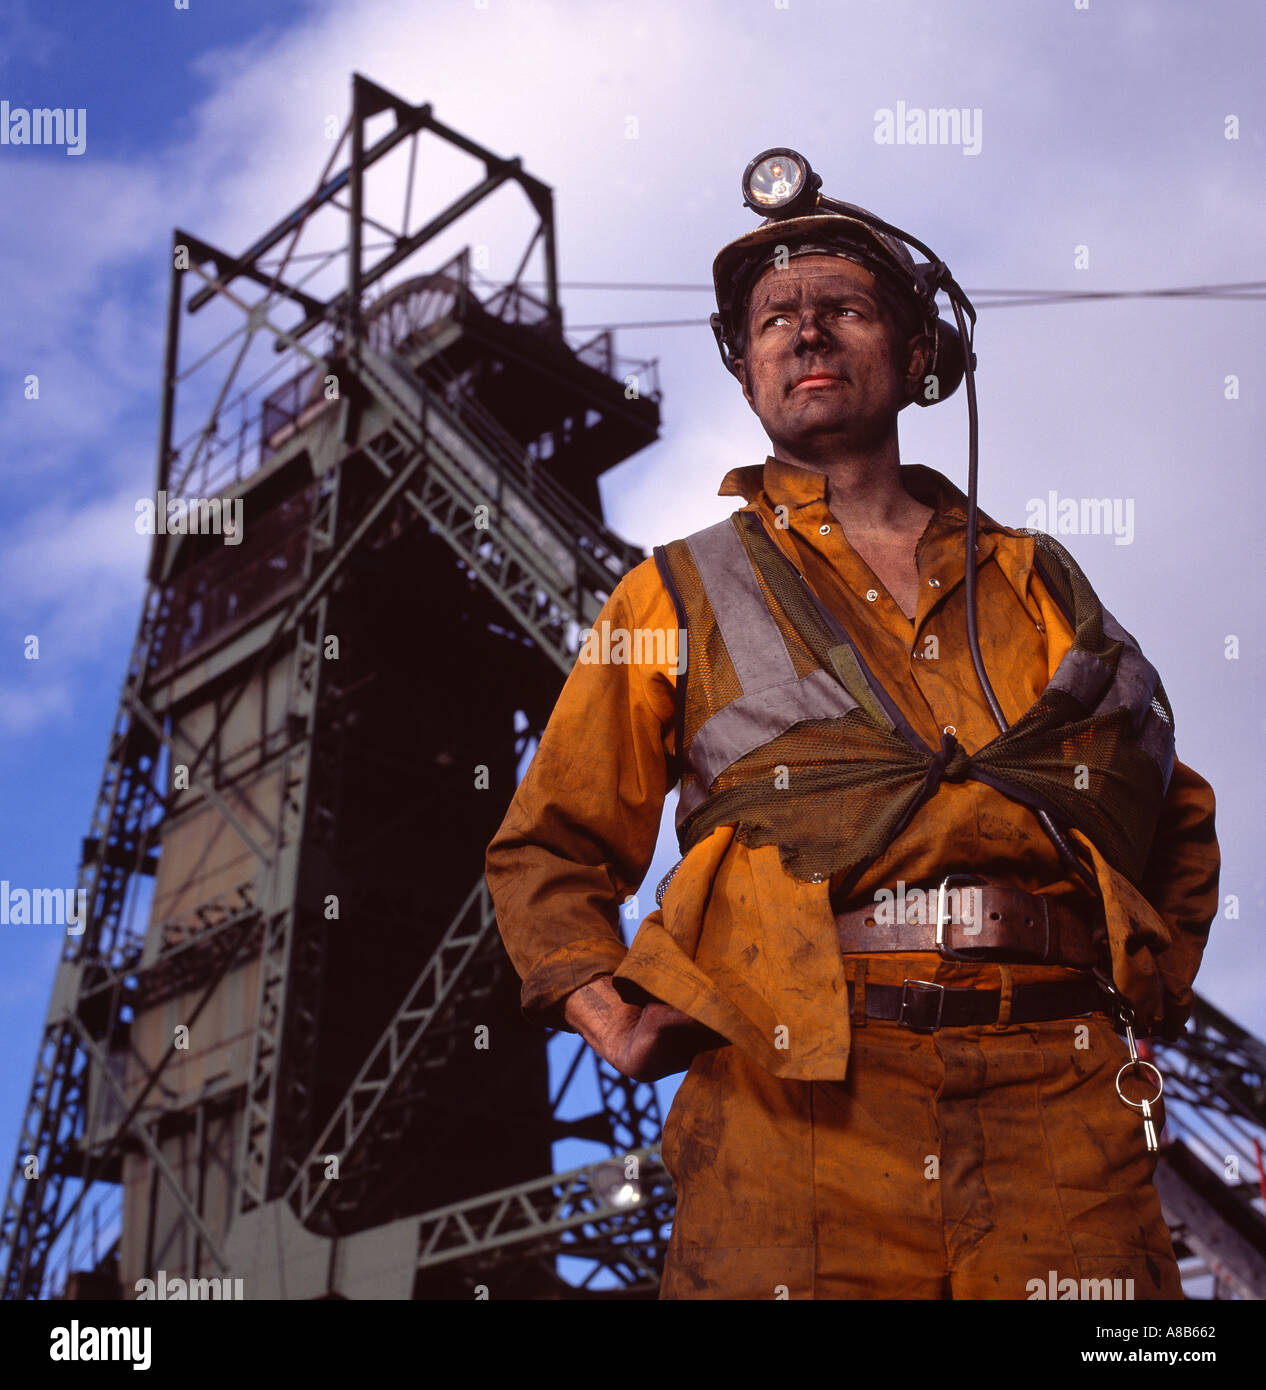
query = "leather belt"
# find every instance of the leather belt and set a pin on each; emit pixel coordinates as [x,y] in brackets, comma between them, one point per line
[924,1006]
[1002,923]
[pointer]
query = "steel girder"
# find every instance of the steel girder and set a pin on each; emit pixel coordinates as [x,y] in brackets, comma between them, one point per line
[292,941]
[548,602]
[121,836]
[561,1214]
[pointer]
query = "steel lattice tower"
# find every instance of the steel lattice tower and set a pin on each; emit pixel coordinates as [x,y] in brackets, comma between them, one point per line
[257,1059]
[262,1042]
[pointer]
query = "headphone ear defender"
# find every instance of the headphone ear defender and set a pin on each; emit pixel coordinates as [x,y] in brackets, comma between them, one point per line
[948,363]
[945,370]
[717,324]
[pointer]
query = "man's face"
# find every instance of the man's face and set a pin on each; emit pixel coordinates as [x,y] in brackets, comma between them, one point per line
[822,361]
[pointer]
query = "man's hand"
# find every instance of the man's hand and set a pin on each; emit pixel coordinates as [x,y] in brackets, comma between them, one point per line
[641,1043]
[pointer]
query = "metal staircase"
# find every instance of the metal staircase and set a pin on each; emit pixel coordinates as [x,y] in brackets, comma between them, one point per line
[550,564]
[1211,1177]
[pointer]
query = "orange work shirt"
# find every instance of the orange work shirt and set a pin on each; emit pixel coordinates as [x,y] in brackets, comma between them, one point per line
[741,945]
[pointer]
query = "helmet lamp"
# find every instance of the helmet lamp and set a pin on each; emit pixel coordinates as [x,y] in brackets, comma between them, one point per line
[779,183]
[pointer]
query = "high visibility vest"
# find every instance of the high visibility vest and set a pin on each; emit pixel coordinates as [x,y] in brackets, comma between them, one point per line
[785,733]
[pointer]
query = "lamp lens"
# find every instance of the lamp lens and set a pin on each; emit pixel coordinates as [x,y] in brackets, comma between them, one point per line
[610,1183]
[775,181]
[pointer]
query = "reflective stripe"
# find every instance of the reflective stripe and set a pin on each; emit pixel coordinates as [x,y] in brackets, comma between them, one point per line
[1080,675]
[1090,680]
[748,629]
[773,698]
[1136,677]
[753,720]
[736,736]
[1157,740]
[1135,690]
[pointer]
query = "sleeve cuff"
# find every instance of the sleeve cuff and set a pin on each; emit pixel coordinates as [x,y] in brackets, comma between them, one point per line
[562,972]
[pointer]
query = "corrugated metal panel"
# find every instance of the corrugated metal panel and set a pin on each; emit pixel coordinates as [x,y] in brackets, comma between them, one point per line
[241,731]
[173,1238]
[135,1220]
[203,855]
[219,1041]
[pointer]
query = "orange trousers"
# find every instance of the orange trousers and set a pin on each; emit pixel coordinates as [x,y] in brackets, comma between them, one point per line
[975,1162]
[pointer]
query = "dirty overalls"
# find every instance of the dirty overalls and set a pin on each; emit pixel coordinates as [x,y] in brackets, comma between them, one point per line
[989,1159]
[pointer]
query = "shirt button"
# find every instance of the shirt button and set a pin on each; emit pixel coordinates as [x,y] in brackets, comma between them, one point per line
[934,583]
[1041,627]
[871,595]
[918,656]
[949,729]
[824,530]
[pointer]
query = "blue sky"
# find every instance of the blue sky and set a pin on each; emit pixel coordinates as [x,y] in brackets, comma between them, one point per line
[1101,127]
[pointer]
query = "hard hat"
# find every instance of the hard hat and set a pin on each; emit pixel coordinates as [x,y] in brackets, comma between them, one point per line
[739,264]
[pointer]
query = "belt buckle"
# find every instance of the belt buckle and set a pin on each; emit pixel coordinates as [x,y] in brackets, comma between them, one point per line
[906,1002]
[944,951]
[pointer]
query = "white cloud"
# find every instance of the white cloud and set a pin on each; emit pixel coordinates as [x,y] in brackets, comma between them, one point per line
[66,550]
[73,581]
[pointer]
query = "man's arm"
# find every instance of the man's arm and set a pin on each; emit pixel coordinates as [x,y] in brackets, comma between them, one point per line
[579,837]
[1181,883]
[644,1042]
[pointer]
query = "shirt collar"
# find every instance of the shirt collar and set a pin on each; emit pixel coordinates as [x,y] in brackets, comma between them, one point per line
[787,484]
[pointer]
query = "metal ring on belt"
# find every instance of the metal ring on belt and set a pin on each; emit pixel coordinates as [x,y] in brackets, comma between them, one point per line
[1013,924]
[924,1006]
